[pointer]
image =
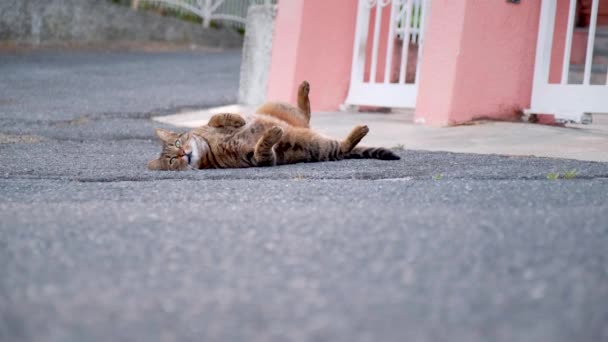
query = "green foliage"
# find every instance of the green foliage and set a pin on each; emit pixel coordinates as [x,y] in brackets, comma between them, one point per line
[170,11]
[570,174]
[438,176]
[180,13]
[240,31]
[415,18]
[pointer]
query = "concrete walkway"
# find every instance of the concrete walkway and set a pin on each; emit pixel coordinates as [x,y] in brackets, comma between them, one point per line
[397,130]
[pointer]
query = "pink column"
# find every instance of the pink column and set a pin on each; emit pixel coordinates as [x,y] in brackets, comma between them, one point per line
[313,40]
[559,42]
[477,61]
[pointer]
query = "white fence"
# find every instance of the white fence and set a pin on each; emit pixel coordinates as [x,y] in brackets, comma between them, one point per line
[570,98]
[232,11]
[397,84]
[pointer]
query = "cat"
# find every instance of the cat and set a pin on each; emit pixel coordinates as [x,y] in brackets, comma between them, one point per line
[278,133]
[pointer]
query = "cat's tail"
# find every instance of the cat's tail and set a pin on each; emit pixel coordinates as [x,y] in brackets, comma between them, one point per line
[362,152]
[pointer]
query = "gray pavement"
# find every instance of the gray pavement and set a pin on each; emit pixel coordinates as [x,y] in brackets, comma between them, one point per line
[434,247]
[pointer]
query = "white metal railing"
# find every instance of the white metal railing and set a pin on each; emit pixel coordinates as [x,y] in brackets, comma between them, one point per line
[566,100]
[232,11]
[405,25]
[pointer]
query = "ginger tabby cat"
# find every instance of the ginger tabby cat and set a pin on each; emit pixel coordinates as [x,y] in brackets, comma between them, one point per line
[277,134]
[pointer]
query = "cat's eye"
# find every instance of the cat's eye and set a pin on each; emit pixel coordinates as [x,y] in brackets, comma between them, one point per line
[178,144]
[171,161]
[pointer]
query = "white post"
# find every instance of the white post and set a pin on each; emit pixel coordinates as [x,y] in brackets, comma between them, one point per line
[205,6]
[392,27]
[543,50]
[568,45]
[424,10]
[360,43]
[372,73]
[590,43]
[415,21]
[406,40]
[357,70]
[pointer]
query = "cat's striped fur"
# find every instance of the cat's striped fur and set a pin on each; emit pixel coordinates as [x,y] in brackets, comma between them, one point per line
[277,134]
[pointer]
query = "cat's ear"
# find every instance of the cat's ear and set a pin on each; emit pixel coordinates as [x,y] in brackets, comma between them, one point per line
[164,135]
[154,164]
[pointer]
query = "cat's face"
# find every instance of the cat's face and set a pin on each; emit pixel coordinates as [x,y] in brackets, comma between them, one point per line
[179,152]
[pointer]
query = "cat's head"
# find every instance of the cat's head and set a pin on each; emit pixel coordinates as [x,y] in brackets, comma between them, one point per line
[179,152]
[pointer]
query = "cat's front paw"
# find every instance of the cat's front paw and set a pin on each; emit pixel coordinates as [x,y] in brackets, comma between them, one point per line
[274,134]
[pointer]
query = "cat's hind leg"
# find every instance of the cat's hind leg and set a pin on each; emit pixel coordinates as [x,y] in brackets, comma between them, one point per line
[263,153]
[303,100]
[353,139]
[295,116]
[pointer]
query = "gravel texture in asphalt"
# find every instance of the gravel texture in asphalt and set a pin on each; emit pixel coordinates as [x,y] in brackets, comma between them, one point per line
[434,247]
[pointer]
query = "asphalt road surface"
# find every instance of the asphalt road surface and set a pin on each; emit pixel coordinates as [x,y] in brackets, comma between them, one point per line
[434,247]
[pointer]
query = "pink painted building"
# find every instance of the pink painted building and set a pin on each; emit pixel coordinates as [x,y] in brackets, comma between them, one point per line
[453,61]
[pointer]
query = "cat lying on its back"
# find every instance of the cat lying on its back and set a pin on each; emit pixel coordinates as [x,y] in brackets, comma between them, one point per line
[277,134]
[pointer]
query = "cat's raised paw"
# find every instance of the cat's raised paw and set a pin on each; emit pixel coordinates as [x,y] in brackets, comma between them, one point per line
[354,138]
[304,89]
[359,132]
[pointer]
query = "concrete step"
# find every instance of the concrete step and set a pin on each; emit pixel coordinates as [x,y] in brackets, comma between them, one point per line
[601,42]
[601,37]
[600,46]
[600,56]
[598,74]
[601,31]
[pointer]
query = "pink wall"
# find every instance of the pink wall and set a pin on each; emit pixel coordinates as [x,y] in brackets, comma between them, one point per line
[282,85]
[478,60]
[439,60]
[313,40]
[559,41]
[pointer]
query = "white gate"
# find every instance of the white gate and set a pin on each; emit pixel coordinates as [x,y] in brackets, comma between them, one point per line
[582,88]
[396,84]
[233,11]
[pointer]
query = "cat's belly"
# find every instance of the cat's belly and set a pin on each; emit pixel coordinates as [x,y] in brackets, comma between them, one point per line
[294,146]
